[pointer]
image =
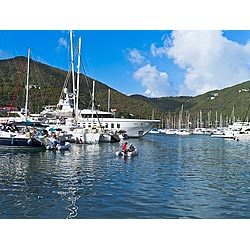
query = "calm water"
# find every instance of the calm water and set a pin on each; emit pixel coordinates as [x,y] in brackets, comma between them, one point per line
[173,177]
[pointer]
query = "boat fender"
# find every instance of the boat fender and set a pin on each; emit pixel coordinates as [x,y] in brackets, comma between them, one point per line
[29,142]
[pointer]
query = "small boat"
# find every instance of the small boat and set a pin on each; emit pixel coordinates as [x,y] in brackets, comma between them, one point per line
[17,139]
[182,132]
[21,134]
[53,143]
[135,152]
[154,131]
[66,146]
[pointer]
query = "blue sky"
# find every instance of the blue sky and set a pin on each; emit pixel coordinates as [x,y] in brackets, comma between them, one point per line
[160,48]
[153,63]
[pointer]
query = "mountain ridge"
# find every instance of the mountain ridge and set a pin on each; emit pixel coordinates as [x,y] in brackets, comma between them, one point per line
[47,82]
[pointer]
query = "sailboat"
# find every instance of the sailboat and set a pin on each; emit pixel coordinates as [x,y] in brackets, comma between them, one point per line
[20,132]
[182,131]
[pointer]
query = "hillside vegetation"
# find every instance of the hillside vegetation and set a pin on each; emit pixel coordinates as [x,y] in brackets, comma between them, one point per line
[46,84]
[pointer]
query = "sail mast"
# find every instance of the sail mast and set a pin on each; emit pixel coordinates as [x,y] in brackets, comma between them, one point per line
[72,69]
[108,100]
[27,85]
[78,79]
[93,102]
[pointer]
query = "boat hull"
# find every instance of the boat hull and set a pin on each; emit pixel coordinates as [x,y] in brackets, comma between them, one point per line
[19,142]
[134,127]
[59,147]
[127,154]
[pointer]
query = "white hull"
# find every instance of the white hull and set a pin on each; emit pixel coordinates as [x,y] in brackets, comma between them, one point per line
[127,154]
[244,136]
[170,131]
[154,132]
[182,132]
[85,136]
[133,127]
[15,116]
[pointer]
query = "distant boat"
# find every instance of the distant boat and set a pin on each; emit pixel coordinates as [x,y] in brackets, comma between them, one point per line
[171,131]
[154,131]
[182,132]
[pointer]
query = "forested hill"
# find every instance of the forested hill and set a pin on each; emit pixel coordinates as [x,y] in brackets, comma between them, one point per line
[228,101]
[166,104]
[46,84]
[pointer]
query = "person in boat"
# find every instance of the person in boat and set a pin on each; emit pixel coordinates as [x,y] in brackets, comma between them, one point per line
[124,147]
[131,148]
[53,139]
[62,141]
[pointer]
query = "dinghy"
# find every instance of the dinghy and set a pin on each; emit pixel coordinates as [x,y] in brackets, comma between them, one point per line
[127,153]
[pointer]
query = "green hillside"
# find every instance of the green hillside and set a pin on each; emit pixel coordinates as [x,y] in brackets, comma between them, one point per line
[226,102]
[46,84]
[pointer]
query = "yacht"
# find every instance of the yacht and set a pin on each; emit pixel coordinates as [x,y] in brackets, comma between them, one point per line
[63,114]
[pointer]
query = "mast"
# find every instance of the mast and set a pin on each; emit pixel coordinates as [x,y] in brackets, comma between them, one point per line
[201,123]
[216,119]
[78,78]
[180,117]
[27,85]
[72,70]
[93,102]
[153,114]
[221,121]
[108,100]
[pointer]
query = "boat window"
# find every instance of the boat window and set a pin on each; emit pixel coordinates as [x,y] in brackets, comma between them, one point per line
[140,133]
[118,125]
[106,125]
[112,125]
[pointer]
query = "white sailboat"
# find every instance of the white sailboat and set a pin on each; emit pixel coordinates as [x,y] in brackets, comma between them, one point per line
[182,131]
[17,132]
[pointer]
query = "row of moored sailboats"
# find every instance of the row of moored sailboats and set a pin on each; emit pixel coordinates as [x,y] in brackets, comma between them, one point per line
[236,131]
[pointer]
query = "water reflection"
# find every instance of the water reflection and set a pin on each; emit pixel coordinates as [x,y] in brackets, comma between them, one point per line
[172,177]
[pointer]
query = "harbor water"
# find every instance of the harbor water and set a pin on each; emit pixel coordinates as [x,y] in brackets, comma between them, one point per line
[173,177]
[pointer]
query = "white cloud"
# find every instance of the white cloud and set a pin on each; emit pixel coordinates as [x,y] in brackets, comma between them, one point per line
[209,59]
[134,56]
[156,82]
[62,42]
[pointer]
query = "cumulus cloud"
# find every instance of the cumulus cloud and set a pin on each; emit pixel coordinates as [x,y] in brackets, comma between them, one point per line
[209,60]
[134,56]
[62,42]
[156,82]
